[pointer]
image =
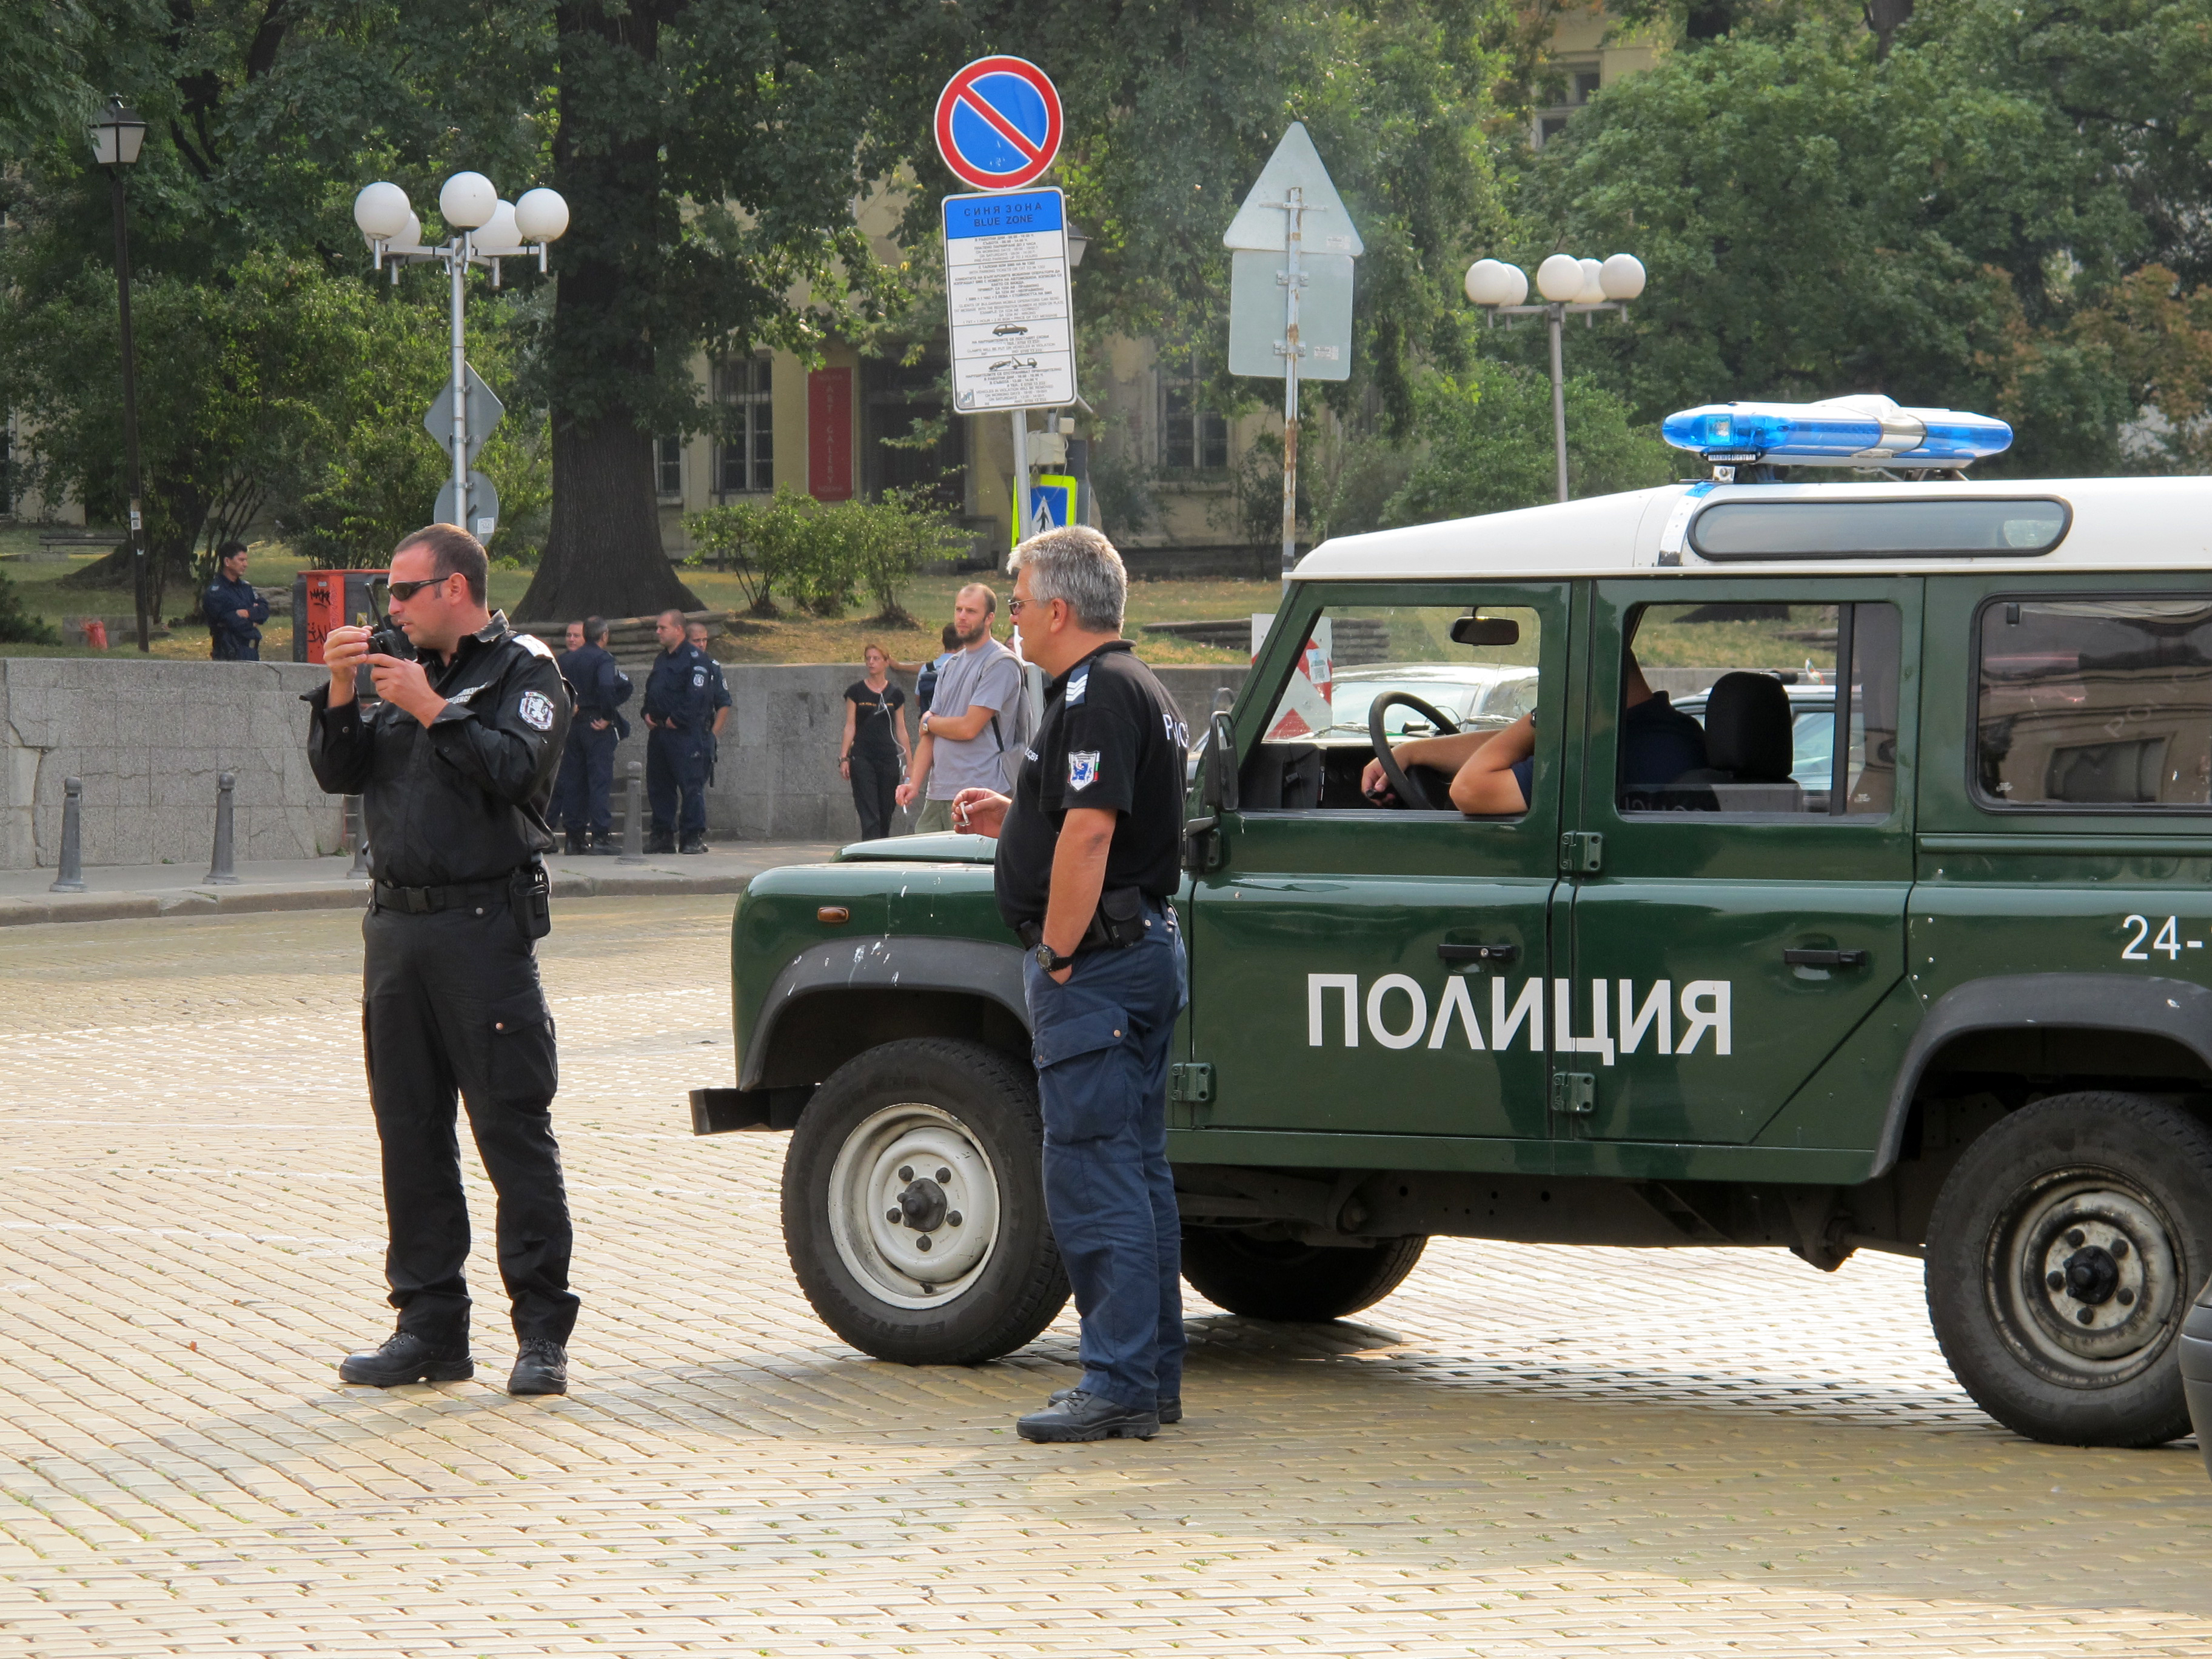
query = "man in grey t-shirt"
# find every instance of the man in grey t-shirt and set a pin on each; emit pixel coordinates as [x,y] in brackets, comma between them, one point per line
[970,721]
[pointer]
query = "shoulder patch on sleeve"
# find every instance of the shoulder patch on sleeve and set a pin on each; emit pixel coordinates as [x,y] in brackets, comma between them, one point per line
[537,711]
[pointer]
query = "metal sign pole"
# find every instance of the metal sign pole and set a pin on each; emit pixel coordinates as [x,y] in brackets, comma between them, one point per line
[1021,507]
[1558,313]
[457,262]
[1293,243]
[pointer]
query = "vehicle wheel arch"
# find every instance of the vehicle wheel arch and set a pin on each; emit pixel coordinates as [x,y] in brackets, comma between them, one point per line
[2167,1023]
[830,1003]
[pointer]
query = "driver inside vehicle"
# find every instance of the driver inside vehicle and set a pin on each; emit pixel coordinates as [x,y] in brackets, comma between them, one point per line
[1490,771]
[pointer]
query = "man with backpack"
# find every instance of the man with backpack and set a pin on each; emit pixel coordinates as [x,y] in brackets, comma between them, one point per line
[978,715]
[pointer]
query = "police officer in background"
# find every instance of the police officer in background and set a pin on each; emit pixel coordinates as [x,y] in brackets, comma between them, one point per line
[581,806]
[698,633]
[679,712]
[1089,859]
[233,608]
[455,765]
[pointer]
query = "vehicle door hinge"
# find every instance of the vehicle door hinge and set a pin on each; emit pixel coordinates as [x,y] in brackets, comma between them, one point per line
[1574,1094]
[1190,1093]
[1582,852]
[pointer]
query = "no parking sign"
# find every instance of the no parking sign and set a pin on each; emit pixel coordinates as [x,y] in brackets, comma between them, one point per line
[998,122]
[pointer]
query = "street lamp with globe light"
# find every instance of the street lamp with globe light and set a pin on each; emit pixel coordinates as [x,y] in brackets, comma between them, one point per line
[485,230]
[1583,286]
[117,137]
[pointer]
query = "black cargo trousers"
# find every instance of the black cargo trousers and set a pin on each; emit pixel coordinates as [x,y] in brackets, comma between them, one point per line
[452,1004]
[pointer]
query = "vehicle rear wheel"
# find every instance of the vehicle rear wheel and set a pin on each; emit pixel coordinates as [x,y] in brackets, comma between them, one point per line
[1280,1279]
[2061,1258]
[913,1203]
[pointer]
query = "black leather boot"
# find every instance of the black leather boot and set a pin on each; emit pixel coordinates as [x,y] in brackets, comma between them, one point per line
[577,842]
[1083,1416]
[406,1358]
[542,1367]
[1171,1404]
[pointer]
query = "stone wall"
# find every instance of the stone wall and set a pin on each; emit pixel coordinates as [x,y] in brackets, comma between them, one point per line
[148,736]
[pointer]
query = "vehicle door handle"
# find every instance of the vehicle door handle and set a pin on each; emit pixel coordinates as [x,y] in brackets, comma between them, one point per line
[1499,953]
[1827,958]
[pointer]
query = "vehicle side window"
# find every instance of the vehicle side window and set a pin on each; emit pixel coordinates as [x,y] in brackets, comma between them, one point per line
[2099,702]
[1318,736]
[1734,708]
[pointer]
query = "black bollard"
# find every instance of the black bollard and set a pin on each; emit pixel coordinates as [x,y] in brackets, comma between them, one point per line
[356,820]
[71,879]
[633,850]
[219,872]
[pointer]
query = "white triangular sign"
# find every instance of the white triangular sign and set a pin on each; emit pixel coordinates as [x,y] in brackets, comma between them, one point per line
[1327,228]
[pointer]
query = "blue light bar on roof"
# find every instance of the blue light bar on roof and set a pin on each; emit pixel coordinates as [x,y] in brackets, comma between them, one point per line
[1868,430]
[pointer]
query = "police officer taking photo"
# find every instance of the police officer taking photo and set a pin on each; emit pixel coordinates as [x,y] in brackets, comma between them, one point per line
[454,764]
[1087,866]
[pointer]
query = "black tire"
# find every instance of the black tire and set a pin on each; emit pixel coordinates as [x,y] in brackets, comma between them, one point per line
[879,1133]
[1304,1284]
[2111,1194]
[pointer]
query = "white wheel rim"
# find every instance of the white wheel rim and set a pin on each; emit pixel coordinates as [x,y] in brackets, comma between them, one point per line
[923,1163]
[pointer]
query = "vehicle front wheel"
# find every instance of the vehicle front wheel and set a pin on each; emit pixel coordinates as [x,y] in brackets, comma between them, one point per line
[913,1203]
[1280,1279]
[2061,1258]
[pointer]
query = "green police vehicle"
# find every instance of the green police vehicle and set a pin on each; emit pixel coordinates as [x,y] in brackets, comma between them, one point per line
[1919,960]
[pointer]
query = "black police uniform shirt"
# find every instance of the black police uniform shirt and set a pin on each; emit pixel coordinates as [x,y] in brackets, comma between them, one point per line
[1111,737]
[235,637]
[463,798]
[683,690]
[601,688]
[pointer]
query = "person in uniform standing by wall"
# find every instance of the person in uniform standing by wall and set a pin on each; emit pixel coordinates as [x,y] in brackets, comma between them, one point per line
[680,715]
[233,608]
[1089,859]
[872,752]
[582,804]
[698,633]
[454,766]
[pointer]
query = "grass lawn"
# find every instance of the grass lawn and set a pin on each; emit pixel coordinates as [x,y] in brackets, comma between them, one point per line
[793,637]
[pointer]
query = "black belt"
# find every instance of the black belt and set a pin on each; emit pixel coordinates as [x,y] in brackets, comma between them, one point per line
[1102,933]
[422,901]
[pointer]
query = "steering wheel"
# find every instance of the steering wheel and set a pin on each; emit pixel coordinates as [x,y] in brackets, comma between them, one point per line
[1409,792]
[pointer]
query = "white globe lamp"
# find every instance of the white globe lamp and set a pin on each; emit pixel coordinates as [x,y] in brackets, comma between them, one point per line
[499,234]
[381,211]
[1559,278]
[1593,289]
[541,215]
[1494,282]
[467,200]
[1622,276]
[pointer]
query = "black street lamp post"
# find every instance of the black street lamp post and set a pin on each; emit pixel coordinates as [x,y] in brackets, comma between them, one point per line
[116,138]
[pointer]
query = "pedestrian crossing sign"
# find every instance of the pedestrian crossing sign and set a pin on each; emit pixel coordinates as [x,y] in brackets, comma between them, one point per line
[1051,507]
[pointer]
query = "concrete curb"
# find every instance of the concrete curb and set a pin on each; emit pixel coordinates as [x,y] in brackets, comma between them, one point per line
[322,895]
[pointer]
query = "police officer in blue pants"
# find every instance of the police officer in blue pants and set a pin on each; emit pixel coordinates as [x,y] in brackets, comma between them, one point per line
[581,795]
[1087,867]
[679,712]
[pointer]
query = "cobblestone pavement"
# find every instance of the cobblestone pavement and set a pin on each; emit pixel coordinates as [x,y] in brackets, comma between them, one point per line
[1522,1452]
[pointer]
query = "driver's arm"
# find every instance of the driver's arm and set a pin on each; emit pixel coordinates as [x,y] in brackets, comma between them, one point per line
[1485,786]
[1446,754]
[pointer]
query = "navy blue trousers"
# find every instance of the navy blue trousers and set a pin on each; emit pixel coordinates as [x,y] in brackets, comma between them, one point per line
[1101,1043]
[587,772]
[676,768]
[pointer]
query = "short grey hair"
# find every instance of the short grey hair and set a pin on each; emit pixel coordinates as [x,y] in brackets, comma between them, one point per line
[1074,562]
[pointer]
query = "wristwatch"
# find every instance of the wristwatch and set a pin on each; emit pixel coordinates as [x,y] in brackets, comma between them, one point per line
[1049,962]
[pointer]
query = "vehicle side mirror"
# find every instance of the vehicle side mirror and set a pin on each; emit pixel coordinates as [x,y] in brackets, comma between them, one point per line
[1486,630]
[1220,793]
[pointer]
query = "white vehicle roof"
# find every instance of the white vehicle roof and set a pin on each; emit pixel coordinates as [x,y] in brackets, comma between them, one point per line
[2116,524]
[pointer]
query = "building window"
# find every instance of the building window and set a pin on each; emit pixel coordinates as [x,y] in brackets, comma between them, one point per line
[746,461]
[1192,438]
[668,465]
[1580,85]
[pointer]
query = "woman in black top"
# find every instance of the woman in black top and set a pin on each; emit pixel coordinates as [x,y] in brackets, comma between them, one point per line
[873,752]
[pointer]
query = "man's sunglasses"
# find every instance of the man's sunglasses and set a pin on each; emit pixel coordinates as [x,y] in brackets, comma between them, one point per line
[408,590]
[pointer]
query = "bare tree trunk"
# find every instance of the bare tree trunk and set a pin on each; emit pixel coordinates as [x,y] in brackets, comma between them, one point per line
[603,551]
[1884,18]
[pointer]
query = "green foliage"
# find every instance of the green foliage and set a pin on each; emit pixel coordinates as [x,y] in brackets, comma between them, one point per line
[17,625]
[1486,444]
[822,555]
